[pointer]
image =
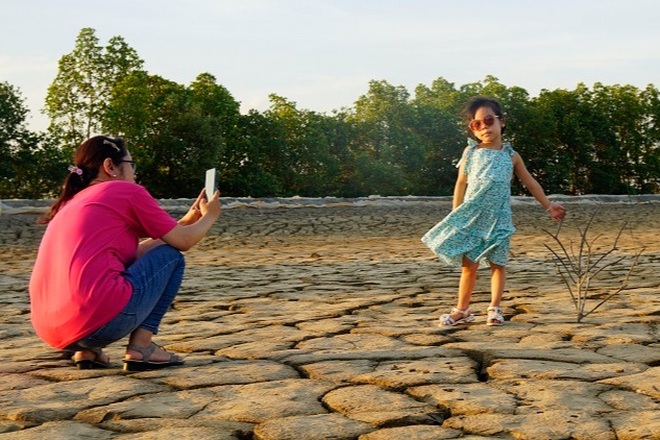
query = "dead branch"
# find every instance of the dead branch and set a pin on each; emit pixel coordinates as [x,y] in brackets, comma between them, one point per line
[578,267]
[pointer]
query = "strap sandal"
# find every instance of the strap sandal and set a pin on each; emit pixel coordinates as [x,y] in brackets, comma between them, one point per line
[91,364]
[495,316]
[448,320]
[145,363]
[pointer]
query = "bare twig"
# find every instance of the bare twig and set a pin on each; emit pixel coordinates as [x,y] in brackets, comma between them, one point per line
[624,284]
[579,266]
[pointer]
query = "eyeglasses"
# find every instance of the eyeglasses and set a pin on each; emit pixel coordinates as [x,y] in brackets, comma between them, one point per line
[478,124]
[133,164]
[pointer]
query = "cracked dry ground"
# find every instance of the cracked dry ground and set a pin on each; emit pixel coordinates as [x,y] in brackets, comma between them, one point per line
[317,323]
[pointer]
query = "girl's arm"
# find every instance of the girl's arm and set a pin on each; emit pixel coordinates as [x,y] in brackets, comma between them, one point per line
[555,210]
[460,186]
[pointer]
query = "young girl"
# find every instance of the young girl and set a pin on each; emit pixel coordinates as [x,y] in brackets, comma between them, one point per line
[479,227]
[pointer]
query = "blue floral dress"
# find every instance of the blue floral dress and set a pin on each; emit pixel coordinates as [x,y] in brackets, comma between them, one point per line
[481,227]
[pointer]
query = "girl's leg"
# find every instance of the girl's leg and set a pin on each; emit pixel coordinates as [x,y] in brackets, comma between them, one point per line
[497,282]
[466,285]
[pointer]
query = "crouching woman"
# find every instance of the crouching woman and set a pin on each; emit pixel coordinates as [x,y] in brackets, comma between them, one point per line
[94,282]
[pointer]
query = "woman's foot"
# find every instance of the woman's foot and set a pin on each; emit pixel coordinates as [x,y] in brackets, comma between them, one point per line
[149,358]
[91,359]
[457,316]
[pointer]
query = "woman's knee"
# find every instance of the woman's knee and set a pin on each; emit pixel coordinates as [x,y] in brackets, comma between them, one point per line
[167,249]
[177,255]
[165,253]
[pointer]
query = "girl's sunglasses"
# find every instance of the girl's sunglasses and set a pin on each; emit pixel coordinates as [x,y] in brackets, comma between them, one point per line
[478,124]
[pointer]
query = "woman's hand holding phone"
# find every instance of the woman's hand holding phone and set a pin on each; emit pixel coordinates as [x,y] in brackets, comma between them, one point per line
[211,207]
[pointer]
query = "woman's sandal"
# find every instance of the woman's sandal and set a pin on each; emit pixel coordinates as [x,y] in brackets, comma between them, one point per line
[448,320]
[145,364]
[495,316]
[91,364]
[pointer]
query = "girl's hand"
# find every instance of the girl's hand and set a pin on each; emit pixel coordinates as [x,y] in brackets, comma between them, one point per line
[194,213]
[556,211]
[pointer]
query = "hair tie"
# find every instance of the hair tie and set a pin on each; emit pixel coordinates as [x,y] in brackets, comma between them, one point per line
[75,169]
[112,144]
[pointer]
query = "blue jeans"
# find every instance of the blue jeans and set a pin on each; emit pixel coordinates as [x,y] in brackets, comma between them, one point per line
[156,278]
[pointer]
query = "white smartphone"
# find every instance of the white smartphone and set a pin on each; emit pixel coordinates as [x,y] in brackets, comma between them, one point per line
[211,182]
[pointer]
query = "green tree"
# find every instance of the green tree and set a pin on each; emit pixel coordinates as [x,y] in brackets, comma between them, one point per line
[623,140]
[13,114]
[337,133]
[532,134]
[169,131]
[308,164]
[39,167]
[30,167]
[13,134]
[388,151]
[78,98]
[569,117]
[442,135]
[288,146]
[651,182]
[323,156]
[215,102]
[250,166]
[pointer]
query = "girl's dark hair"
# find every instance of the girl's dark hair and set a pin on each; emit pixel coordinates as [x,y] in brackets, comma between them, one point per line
[88,160]
[476,102]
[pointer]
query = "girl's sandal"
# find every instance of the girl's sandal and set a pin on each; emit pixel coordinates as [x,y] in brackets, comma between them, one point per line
[495,316]
[448,320]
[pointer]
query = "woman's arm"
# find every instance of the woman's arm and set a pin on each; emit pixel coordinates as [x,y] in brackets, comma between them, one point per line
[183,237]
[193,214]
[555,210]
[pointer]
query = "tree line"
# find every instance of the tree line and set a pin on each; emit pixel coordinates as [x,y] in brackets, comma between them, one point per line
[598,140]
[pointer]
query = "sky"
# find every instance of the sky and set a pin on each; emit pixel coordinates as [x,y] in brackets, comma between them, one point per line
[321,54]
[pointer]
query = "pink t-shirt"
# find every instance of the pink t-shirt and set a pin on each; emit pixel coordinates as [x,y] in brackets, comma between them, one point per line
[77,284]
